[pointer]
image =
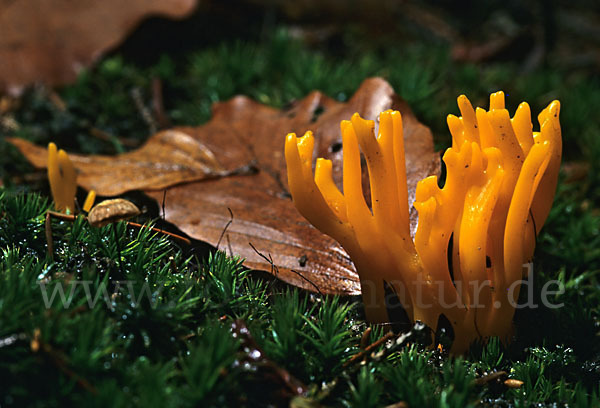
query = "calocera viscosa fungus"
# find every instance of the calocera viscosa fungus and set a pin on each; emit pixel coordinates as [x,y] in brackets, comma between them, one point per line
[500,184]
[62,177]
[63,181]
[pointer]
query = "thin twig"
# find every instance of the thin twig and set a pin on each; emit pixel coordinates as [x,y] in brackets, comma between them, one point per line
[369,348]
[308,280]
[158,107]
[497,376]
[229,246]
[274,268]
[171,234]
[71,218]
[164,200]
[61,216]
[226,226]
[144,112]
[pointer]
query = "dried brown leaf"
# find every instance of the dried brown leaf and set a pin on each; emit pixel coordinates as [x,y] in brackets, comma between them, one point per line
[167,158]
[51,40]
[266,226]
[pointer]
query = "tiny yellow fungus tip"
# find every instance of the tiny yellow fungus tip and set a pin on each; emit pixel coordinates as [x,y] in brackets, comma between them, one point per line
[500,183]
[35,340]
[89,201]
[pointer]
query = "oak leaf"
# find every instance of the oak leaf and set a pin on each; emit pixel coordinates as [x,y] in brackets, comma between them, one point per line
[51,40]
[266,226]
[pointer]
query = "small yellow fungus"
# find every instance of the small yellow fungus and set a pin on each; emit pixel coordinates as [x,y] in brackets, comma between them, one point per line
[62,176]
[500,184]
[63,181]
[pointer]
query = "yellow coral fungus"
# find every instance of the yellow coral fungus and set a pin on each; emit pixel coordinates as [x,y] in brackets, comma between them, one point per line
[501,179]
[63,181]
[62,176]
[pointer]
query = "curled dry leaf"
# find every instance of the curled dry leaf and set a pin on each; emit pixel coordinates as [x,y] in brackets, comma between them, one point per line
[264,218]
[51,40]
[109,211]
[167,158]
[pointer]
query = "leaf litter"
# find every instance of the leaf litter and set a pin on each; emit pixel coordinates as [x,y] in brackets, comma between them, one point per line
[230,174]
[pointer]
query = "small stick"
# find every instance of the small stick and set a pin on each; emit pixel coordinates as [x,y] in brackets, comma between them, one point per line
[163,204]
[309,281]
[158,107]
[369,348]
[71,218]
[172,235]
[229,245]
[226,226]
[274,268]
[61,216]
[498,375]
[144,112]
